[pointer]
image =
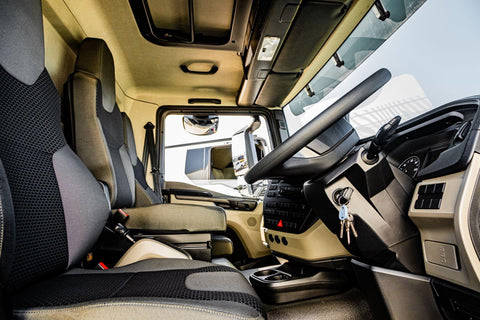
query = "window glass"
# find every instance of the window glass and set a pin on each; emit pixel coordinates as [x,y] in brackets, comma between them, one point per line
[206,160]
[431,57]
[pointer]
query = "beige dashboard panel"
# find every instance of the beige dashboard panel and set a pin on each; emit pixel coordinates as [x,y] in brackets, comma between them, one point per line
[449,226]
[315,244]
[246,224]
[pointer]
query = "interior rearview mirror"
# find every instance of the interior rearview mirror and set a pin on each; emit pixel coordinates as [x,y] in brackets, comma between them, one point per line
[200,125]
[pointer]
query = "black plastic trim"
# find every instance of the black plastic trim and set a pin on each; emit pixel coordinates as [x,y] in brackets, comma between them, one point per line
[204,100]
[187,192]
[456,158]
[212,70]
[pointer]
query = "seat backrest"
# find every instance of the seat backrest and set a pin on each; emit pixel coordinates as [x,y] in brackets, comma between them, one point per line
[57,209]
[144,195]
[97,122]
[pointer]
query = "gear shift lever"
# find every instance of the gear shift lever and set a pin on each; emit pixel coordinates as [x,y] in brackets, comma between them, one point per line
[381,138]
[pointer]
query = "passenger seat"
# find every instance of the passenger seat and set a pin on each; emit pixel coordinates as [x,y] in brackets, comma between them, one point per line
[98,136]
[52,210]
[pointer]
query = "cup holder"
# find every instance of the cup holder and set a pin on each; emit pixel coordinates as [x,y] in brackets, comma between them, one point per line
[272,275]
[278,277]
[265,273]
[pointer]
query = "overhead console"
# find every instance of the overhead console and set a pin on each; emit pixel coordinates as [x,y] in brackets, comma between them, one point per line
[280,48]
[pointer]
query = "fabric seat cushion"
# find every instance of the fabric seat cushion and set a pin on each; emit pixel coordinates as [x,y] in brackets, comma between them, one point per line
[168,283]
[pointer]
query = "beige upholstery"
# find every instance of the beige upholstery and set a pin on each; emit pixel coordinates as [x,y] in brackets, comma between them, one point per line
[142,197]
[149,249]
[177,217]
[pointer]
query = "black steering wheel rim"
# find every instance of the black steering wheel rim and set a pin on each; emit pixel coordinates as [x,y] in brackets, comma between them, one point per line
[317,126]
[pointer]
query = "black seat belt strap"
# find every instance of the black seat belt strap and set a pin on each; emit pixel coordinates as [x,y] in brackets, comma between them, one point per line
[149,152]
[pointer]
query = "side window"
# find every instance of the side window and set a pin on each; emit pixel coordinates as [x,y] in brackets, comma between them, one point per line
[199,151]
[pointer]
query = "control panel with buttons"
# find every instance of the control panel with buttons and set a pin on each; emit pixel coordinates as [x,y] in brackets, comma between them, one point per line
[285,208]
[430,196]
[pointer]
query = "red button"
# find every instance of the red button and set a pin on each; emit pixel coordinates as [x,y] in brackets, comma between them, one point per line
[280,224]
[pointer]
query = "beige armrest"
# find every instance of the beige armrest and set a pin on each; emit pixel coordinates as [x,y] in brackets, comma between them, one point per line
[177,217]
[149,249]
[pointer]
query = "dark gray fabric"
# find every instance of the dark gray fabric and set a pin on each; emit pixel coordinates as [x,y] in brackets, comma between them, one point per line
[138,169]
[146,266]
[71,289]
[129,139]
[112,129]
[26,149]
[95,58]
[84,219]
[21,34]
[218,281]
[140,177]
[127,168]
[153,196]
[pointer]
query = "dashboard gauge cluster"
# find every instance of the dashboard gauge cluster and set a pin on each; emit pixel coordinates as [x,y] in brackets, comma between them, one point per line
[410,166]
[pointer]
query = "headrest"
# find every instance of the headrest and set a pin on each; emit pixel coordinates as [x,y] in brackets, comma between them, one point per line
[129,139]
[95,59]
[21,32]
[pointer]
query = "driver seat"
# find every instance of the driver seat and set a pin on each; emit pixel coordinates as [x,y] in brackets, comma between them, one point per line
[52,211]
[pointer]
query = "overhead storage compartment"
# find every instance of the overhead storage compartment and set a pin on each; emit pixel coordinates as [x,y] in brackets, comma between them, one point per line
[314,23]
[302,28]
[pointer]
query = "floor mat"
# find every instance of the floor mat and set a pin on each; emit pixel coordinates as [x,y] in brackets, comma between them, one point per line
[349,305]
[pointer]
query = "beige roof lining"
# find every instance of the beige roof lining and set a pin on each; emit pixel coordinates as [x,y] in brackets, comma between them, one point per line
[137,69]
[145,71]
[354,15]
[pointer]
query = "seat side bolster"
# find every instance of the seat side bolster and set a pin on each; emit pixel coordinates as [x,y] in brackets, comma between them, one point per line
[90,142]
[177,217]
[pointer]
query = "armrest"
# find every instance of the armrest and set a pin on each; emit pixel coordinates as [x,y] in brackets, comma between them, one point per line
[177,217]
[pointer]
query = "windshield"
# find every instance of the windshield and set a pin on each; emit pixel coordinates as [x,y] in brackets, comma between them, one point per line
[432,58]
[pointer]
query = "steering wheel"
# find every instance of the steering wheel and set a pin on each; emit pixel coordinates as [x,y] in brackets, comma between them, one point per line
[265,167]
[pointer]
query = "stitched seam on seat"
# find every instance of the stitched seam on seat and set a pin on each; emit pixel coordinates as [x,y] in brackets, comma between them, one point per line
[121,287]
[2,227]
[139,304]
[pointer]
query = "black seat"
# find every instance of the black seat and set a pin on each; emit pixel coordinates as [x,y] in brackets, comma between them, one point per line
[52,211]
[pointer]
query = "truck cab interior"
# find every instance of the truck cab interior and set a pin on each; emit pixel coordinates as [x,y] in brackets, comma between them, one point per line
[226,159]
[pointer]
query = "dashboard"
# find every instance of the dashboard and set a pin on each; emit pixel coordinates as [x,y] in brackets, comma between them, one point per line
[415,208]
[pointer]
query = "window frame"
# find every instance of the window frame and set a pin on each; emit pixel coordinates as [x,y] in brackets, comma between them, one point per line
[164,111]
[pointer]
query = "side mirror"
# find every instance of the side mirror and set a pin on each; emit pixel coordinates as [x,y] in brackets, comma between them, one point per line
[244,154]
[200,125]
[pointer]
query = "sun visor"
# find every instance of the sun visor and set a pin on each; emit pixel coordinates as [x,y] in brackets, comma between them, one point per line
[313,24]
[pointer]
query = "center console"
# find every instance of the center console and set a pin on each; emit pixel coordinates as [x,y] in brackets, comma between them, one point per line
[287,283]
[285,208]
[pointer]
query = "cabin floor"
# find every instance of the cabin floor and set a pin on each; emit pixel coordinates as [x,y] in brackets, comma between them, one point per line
[349,305]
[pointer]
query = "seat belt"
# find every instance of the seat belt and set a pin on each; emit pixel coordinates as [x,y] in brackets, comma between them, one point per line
[150,152]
